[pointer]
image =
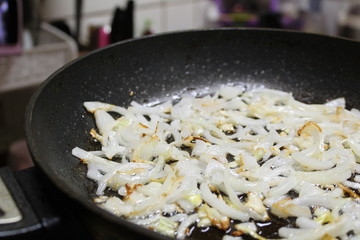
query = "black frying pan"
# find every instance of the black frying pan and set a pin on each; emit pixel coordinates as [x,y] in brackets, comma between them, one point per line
[315,68]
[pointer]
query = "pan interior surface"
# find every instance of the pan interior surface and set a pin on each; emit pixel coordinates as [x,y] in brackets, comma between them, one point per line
[314,68]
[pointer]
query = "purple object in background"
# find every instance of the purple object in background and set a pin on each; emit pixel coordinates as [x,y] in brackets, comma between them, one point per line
[4,8]
[219,6]
[294,24]
[11,27]
[274,6]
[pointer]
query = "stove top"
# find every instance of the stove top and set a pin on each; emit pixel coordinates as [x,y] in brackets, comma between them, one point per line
[32,208]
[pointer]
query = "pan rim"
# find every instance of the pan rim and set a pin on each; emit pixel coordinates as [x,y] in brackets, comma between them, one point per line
[57,181]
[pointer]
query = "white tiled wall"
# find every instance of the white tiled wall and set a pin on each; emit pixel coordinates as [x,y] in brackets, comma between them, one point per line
[165,15]
[200,9]
[155,15]
[93,6]
[53,9]
[179,15]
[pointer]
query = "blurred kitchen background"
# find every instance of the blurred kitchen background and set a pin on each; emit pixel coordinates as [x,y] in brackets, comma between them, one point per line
[39,36]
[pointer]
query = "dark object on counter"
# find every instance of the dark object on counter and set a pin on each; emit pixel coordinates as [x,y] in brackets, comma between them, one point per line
[3,156]
[78,17]
[32,18]
[122,26]
[11,27]
[93,37]
[63,26]
[315,68]
[270,20]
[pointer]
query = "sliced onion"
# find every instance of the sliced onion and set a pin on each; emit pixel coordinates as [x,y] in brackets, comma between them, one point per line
[311,163]
[181,233]
[220,205]
[260,142]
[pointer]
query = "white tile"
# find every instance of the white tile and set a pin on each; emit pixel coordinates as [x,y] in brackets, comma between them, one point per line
[55,9]
[58,9]
[176,1]
[179,15]
[331,10]
[201,9]
[141,3]
[92,6]
[153,14]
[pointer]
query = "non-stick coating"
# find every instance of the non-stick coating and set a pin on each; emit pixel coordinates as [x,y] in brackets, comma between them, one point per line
[315,68]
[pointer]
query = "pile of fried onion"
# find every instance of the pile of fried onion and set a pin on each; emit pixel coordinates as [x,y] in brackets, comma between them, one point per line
[229,160]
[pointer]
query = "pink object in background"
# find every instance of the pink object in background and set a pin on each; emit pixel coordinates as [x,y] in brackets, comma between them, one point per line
[103,36]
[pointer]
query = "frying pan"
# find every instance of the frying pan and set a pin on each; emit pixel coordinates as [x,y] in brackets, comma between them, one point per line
[314,68]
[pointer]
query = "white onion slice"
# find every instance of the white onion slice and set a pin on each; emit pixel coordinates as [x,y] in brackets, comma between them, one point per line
[220,205]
